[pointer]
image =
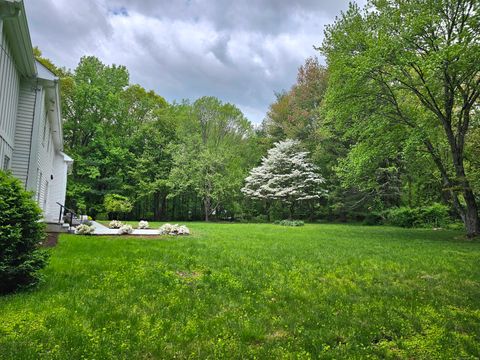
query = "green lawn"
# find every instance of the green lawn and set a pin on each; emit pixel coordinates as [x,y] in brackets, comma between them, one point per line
[245,291]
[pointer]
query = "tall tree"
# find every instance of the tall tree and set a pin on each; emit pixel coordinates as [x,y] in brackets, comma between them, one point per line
[414,65]
[295,113]
[152,145]
[286,175]
[92,112]
[211,157]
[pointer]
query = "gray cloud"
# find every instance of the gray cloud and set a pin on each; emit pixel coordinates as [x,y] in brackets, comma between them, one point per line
[239,51]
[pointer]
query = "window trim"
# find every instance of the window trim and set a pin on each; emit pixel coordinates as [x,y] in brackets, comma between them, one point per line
[6,162]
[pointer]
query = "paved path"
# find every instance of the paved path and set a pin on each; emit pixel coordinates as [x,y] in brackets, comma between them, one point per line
[103,230]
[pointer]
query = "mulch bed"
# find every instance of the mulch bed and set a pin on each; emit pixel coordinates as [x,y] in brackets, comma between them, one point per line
[51,240]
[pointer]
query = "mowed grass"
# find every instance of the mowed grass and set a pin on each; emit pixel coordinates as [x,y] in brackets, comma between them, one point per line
[244,291]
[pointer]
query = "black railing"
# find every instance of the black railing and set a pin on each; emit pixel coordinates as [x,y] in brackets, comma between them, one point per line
[72,215]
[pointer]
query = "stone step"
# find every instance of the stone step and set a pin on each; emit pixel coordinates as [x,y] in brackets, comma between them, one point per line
[57,228]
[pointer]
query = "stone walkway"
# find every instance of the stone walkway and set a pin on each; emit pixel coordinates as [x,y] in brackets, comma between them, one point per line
[103,230]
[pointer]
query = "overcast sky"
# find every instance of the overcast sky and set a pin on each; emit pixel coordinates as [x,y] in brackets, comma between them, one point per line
[239,51]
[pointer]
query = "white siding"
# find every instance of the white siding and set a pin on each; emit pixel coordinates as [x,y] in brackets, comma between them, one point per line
[9,88]
[23,131]
[57,188]
[26,105]
[45,158]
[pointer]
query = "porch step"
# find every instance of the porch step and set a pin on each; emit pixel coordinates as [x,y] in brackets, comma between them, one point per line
[57,228]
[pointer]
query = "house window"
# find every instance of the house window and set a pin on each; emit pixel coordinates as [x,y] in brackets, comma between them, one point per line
[6,163]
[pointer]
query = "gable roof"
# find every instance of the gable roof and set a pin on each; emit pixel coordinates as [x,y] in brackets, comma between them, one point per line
[16,28]
[44,73]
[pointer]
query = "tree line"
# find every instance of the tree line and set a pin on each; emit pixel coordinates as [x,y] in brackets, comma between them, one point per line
[391,120]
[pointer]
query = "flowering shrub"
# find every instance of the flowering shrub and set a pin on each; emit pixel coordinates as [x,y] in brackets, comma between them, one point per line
[85,229]
[290,223]
[142,224]
[115,224]
[125,229]
[169,229]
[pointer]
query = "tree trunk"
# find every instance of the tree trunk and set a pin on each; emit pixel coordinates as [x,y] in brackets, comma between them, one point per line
[156,205]
[471,220]
[174,202]
[469,214]
[268,205]
[206,208]
[311,208]
[163,207]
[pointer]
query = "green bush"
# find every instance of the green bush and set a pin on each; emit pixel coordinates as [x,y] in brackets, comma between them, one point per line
[402,216]
[259,219]
[117,204]
[435,215]
[373,218]
[20,236]
[278,211]
[290,222]
[101,216]
[456,225]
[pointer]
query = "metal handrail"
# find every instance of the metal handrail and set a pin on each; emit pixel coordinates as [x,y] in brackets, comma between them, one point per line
[72,214]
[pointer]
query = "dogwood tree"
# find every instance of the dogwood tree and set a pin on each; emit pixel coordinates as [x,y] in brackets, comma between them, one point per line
[286,175]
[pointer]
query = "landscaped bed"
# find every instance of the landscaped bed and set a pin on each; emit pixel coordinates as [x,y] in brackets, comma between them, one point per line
[245,290]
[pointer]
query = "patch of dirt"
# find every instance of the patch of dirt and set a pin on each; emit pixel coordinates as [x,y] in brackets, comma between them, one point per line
[279,334]
[429,277]
[193,275]
[51,240]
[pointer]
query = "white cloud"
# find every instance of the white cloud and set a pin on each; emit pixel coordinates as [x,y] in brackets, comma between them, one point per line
[240,52]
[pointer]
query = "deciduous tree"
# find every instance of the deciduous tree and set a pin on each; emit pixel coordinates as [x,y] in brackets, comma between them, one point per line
[413,65]
[286,175]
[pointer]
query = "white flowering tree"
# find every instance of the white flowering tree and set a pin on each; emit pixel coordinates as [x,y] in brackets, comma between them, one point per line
[287,175]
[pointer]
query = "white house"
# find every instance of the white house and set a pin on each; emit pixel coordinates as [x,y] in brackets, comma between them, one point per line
[31,136]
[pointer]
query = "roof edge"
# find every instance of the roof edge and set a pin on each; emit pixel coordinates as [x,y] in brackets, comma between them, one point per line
[16,26]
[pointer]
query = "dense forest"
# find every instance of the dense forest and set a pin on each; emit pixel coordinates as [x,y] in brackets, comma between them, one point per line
[391,123]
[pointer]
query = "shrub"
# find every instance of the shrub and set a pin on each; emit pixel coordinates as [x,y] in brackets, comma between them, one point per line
[142,224]
[435,215]
[21,233]
[278,211]
[117,204]
[125,229]
[402,216]
[115,224]
[456,225]
[149,215]
[373,218]
[85,229]
[290,223]
[259,219]
[101,216]
[176,229]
